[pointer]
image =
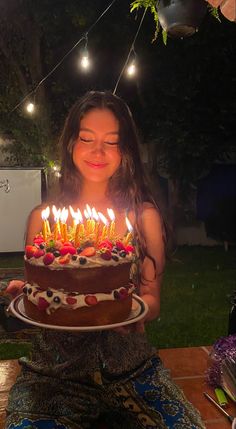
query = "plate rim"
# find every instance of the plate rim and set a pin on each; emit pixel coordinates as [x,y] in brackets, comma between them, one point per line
[15,302]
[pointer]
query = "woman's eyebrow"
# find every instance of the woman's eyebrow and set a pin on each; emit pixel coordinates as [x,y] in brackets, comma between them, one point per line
[87,129]
[116,133]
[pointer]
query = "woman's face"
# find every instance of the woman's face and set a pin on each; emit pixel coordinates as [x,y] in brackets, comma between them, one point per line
[96,153]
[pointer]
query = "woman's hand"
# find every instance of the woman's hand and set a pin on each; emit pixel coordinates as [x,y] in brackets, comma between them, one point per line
[14,288]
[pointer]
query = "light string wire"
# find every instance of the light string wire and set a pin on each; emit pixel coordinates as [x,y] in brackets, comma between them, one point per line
[84,37]
[130,50]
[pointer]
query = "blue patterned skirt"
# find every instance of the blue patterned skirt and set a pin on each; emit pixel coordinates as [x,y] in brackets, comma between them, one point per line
[73,380]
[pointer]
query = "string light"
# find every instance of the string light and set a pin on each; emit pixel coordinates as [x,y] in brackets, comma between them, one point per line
[85,62]
[30,108]
[131,51]
[132,67]
[63,58]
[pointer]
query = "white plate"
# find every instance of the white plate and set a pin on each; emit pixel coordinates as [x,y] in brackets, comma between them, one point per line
[138,311]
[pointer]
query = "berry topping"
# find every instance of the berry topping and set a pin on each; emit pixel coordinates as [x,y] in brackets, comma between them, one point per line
[120,245]
[123,293]
[123,253]
[129,248]
[88,251]
[64,259]
[29,290]
[57,299]
[39,253]
[79,250]
[91,300]
[74,257]
[106,255]
[49,293]
[42,246]
[82,260]
[30,251]
[70,300]
[106,243]
[42,304]
[48,258]
[67,243]
[25,290]
[114,250]
[38,240]
[67,249]
[115,258]
[56,253]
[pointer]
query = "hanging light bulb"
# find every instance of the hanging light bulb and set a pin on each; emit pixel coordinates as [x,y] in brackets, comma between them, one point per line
[84,61]
[132,66]
[131,69]
[30,107]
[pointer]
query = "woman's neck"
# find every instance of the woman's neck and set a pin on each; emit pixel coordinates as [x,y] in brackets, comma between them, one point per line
[94,194]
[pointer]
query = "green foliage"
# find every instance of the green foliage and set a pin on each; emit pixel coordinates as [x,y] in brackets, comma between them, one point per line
[148,4]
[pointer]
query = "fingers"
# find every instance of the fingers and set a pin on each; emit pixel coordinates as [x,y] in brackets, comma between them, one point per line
[14,287]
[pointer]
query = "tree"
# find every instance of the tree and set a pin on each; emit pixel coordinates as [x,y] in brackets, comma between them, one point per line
[34,36]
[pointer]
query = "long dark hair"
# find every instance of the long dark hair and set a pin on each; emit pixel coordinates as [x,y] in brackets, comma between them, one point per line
[128,187]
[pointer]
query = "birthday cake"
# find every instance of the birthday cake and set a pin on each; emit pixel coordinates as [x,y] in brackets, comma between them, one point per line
[79,277]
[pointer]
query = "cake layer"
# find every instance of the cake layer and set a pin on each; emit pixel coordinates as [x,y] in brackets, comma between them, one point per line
[90,280]
[104,313]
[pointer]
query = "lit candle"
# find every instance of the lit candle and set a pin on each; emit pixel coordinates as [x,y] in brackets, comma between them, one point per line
[112,224]
[78,222]
[56,214]
[44,215]
[86,215]
[129,235]
[63,218]
[47,221]
[73,214]
[96,224]
[105,227]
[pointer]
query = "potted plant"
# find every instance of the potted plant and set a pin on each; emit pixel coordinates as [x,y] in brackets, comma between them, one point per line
[181,18]
[177,18]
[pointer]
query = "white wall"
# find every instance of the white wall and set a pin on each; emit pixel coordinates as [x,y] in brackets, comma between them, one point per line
[24,194]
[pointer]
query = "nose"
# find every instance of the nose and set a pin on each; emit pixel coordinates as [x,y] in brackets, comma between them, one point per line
[98,147]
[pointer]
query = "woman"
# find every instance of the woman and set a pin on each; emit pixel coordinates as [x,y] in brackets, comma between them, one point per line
[72,379]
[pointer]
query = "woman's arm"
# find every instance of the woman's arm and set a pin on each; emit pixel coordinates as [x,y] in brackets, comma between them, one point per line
[150,286]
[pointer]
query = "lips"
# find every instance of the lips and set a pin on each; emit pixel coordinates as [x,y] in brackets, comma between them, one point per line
[96,165]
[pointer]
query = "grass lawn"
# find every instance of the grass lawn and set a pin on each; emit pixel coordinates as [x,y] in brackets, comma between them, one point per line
[195,298]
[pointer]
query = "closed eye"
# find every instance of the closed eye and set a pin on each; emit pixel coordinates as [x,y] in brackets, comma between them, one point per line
[82,139]
[112,143]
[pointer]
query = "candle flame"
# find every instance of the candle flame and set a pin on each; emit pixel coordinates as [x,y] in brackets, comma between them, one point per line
[45,213]
[103,218]
[64,215]
[89,211]
[72,212]
[111,214]
[95,215]
[129,226]
[56,213]
[78,217]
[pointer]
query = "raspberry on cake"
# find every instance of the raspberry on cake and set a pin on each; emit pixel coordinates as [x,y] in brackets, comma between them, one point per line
[78,279]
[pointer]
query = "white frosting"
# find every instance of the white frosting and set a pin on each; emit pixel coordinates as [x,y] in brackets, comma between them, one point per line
[80,299]
[91,262]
